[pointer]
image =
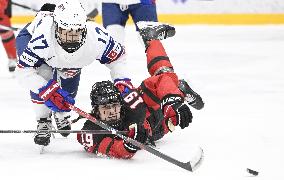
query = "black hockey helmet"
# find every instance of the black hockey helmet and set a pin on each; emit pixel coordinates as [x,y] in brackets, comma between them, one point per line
[104,93]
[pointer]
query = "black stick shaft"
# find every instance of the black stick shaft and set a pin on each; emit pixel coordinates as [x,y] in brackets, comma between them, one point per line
[24,6]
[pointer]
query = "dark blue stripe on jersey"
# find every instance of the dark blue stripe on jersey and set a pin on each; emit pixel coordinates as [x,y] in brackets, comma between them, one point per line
[22,40]
[31,53]
[104,59]
[39,63]
[111,48]
[39,23]
[23,64]
[122,50]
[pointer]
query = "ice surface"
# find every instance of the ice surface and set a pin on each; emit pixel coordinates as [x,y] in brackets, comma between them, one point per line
[238,71]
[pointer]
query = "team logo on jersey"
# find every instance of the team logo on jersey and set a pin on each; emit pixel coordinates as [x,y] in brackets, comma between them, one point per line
[115,53]
[112,55]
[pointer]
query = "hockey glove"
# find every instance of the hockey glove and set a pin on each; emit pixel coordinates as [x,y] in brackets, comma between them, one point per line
[176,111]
[123,85]
[54,97]
[138,133]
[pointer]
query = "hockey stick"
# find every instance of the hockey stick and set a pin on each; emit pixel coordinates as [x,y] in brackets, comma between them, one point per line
[91,15]
[24,6]
[63,131]
[190,166]
[9,28]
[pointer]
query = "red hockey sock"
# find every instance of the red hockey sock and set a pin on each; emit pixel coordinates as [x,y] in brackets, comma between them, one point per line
[8,38]
[157,57]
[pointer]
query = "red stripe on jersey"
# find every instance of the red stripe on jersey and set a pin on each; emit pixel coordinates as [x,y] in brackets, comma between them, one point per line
[20,66]
[104,145]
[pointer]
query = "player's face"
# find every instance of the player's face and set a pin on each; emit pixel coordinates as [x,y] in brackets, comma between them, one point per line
[70,36]
[109,112]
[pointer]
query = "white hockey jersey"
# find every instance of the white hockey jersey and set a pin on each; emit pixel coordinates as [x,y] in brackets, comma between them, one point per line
[44,49]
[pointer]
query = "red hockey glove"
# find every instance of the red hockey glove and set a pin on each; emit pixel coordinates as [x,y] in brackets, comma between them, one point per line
[138,133]
[176,111]
[54,97]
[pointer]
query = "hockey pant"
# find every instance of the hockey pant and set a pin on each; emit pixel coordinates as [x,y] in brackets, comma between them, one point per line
[112,13]
[163,81]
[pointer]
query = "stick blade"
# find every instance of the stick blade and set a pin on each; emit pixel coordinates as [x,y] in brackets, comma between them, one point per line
[196,160]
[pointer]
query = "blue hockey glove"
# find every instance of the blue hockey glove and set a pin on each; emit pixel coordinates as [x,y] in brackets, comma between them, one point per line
[54,97]
[123,85]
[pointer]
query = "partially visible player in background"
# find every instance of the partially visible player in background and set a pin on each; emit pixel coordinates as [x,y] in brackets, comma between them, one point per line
[150,111]
[52,50]
[115,14]
[7,36]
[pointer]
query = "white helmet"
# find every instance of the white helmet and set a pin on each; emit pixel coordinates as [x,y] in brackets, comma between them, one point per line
[70,21]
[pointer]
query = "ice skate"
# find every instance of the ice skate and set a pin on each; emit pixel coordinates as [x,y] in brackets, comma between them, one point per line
[12,65]
[155,30]
[191,97]
[62,122]
[43,138]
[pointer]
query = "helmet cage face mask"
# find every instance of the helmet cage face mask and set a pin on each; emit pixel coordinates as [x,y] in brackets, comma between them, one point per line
[107,103]
[70,24]
[110,113]
[70,39]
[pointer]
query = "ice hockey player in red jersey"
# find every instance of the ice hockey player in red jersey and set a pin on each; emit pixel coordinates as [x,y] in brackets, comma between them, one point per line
[122,112]
[149,112]
[7,36]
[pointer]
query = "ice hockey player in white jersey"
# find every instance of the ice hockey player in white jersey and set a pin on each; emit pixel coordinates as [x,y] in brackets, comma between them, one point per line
[52,50]
[115,14]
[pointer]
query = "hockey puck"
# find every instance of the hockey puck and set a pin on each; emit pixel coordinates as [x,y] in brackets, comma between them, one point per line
[253,172]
